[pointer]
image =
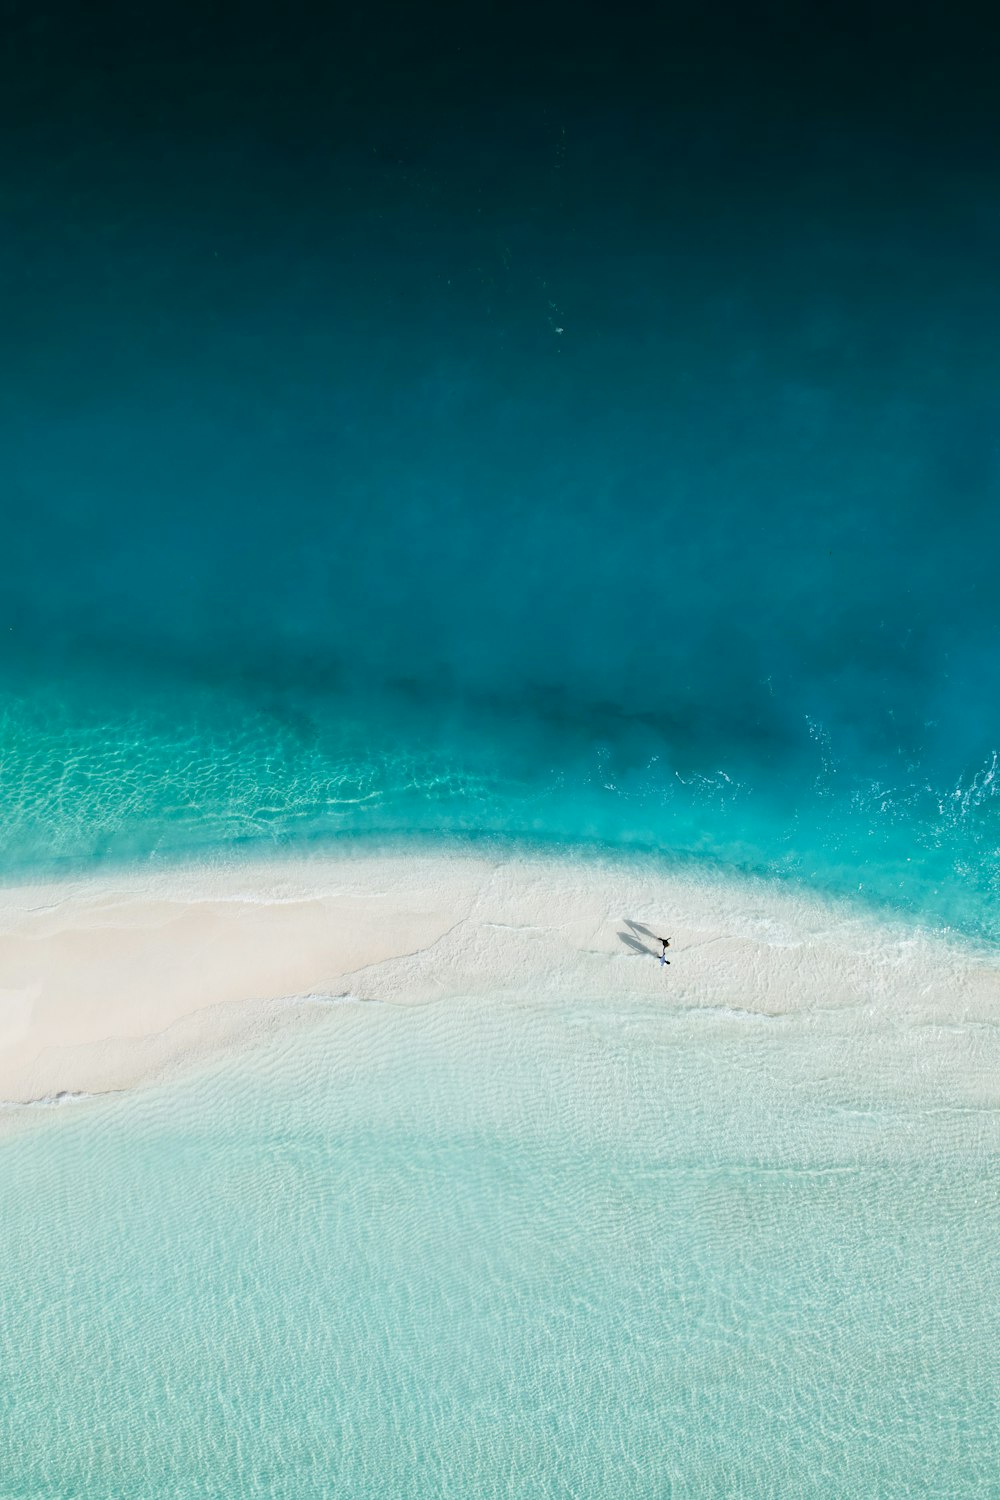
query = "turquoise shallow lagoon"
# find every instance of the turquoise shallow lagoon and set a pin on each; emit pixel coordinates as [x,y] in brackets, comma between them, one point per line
[499,1250]
[103,771]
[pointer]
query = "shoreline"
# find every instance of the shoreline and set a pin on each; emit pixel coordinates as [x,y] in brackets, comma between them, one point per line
[499,846]
[110,981]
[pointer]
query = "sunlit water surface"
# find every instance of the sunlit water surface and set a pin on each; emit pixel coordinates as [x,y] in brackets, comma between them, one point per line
[504,1251]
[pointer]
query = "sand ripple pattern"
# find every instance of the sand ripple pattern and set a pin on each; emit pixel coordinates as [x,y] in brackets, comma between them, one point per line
[497,1249]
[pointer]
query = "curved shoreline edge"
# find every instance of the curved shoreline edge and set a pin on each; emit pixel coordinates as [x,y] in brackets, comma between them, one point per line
[110,981]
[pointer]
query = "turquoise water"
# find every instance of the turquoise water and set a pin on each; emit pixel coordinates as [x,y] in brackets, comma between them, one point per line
[100,771]
[505,1251]
[418,424]
[417,430]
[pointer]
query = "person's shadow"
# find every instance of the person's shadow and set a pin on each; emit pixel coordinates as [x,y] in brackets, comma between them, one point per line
[632,938]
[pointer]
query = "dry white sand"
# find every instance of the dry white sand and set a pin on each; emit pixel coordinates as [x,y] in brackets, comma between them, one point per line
[107,982]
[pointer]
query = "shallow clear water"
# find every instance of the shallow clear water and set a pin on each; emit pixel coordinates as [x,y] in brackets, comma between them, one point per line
[499,1251]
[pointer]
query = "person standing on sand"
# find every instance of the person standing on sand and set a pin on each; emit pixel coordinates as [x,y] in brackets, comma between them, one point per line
[664,945]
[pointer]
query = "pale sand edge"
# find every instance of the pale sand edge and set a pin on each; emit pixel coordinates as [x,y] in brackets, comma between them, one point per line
[107,982]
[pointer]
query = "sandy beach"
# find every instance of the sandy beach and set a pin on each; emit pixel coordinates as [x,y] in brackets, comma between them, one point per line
[109,981]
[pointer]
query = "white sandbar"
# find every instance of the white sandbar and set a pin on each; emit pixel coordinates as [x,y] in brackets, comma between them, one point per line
[108,981]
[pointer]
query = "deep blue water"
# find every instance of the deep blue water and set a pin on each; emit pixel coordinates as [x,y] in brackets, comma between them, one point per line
[461,425]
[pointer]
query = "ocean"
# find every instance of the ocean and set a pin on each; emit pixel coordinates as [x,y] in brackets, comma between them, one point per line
[595,454]
[498,430]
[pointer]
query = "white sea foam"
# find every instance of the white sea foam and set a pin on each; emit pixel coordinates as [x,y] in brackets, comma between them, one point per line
[50,1101]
